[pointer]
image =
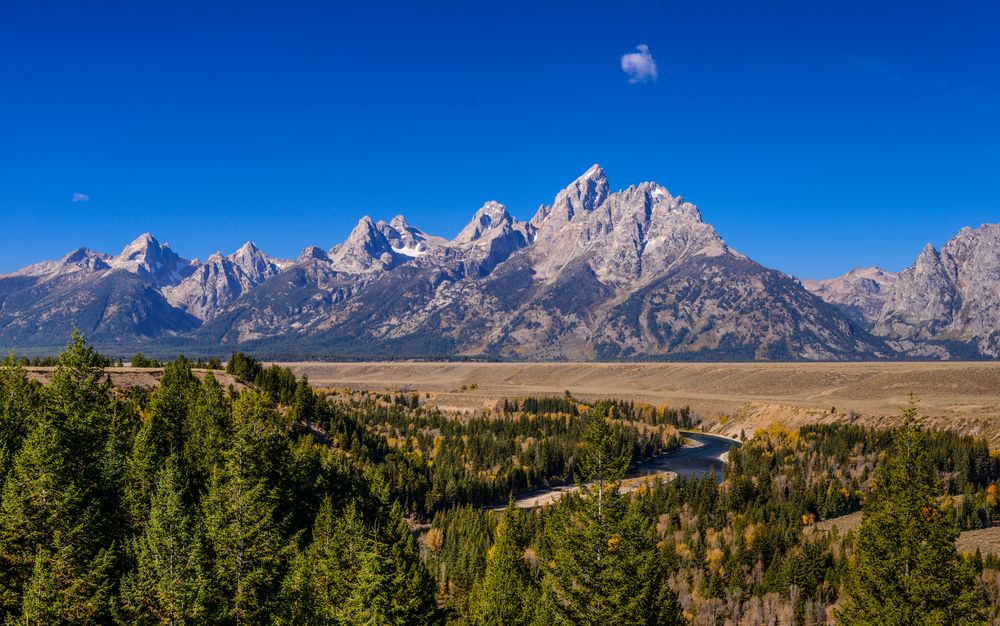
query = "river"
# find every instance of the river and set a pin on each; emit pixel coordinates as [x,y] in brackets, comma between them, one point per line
[702,454]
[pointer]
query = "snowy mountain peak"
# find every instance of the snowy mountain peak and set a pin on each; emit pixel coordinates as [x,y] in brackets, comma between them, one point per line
[366,249]
[660,201]
[494,210]
[408,240]
[598,274]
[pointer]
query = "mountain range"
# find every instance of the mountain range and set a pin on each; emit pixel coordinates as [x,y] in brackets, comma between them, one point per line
[597,274]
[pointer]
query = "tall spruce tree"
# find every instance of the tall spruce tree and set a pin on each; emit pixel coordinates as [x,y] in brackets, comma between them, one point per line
[321,574]
[355,573]
[168,584]
[505,593]
[207,431]
[906,568]
[60,501]
[164,432]
[411,588]
[67,589]
[600,564]
[19,400]
[244,526]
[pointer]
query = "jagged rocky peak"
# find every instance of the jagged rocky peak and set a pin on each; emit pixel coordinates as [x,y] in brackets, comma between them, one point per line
[221,280]
[366,236]
[924,300]
[583,195]
[974,244]
[81,259]
[661,201]
[86,257]
[145,247]
[626,236]
[253,260]
[950,294]
[313,253]
[149,258]
[492,217]
[490,238]
[408,240]
[928,257]
[860,293]
[366,249]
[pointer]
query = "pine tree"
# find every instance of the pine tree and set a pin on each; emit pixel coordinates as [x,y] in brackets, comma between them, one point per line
[207,431]
[505,594]
[67,589]
[19,400]
[317,581]
[357,574]
[370,601]
[411,587]
[243,528]
[168,584]
[59,500]
[906,568]
[304,408]
[48,529]
[600,560]
[163,433]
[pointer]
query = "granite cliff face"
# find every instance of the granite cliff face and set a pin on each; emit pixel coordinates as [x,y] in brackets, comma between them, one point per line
[221,280]
[113,300]
[950,295]
[860,293]
[597,274]
[947,304]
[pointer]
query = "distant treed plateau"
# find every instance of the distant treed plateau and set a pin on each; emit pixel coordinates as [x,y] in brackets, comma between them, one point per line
[263,500]
[595,275]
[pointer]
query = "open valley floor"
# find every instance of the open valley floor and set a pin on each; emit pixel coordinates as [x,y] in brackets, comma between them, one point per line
[727,397]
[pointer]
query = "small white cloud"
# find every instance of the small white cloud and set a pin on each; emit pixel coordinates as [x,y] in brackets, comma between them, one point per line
[640,65]
[80,197]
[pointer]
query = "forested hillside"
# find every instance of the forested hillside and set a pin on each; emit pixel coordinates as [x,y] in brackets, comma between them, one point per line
[190,504]
[271,503]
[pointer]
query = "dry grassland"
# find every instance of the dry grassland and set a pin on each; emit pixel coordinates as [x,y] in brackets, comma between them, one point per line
[727,397]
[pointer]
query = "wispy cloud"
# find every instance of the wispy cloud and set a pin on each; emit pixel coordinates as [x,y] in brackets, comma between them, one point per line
[80,197]
[639,65]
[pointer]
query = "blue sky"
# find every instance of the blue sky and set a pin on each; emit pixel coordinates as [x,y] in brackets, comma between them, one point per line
[815,136]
